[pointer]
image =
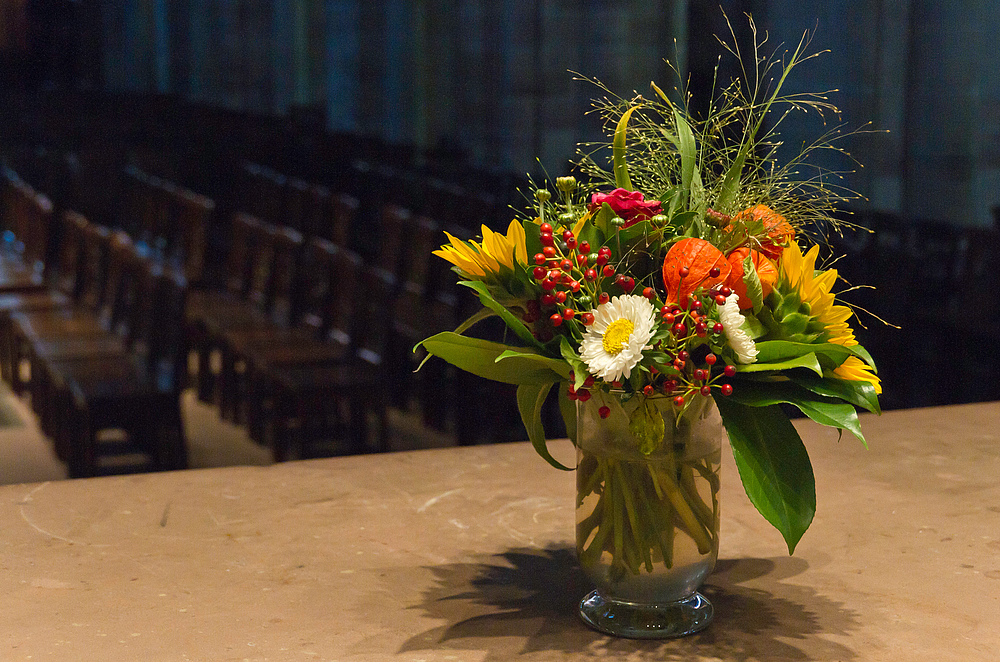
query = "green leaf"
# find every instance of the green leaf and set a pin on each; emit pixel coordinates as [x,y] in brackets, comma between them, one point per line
[646,425]
[580,370]
[859,393]
[530,398]
[863,354]
[807,361]
[753,326]
[532,236]
[480,358]
[557,366]
[683,219]
[829,411]
[638,230]
[731,182]
[750,278]
[777,350]
[689,157]
[515,325]
[618,151]
[603,218]
[774,466]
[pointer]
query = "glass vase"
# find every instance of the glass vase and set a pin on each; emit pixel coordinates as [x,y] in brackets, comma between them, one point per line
[647,512]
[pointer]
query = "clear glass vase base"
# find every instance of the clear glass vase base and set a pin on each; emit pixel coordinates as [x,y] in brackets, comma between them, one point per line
[646,621]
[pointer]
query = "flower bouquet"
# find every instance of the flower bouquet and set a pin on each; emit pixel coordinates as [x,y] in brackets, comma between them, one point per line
[672,295]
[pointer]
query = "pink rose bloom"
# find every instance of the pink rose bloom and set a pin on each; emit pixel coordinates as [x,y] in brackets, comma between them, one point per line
[629,205]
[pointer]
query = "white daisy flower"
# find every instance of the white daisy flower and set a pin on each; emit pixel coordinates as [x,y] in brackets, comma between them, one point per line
[739,339]
[613,344]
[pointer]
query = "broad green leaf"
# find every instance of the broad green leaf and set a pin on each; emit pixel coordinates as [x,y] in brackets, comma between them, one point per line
[618,151]
[480,358]
[512,322]
[863,354]
[777,350]
[859,393]
[478,316]
[774,466]
[829,411]
[555,365]
[637,231]
[807,361]
[532,236]
[530,398]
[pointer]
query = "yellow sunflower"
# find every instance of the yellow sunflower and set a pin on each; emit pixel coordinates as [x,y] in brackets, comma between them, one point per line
[814,288]
[482,260]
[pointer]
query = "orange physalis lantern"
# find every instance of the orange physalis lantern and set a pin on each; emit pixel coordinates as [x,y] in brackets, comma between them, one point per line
[690,264]
[767,272]
[779,232]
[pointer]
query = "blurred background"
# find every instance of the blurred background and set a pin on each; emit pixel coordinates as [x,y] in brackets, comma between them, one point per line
[441,108]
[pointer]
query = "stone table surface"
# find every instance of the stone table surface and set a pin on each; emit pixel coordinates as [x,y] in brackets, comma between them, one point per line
[467,554]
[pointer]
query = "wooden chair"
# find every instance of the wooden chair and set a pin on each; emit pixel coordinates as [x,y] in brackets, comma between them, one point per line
[25,243]
[28,327]
[245,262]
[414,315]
[55,341]
[63,292]
[325,274]
[137,393]
[273,313]
[311,396]
[193,217]
[124,296]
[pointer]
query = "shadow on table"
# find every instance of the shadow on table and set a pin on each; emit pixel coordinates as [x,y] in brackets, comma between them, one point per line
[531,596]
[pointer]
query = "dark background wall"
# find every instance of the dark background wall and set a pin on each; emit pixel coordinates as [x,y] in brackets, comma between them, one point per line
[492,78]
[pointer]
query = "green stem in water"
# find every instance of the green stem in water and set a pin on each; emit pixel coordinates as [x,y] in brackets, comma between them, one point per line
[680,504]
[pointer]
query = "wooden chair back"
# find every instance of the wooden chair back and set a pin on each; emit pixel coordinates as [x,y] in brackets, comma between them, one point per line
[341,213]
[68,278]
[95,264]
[286,249]
[316,280]
[239,261]
[343,297]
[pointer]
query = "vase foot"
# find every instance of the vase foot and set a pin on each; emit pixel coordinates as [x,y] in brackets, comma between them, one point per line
[646,621]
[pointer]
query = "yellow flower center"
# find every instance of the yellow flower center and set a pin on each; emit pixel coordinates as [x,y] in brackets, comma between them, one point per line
[616,337]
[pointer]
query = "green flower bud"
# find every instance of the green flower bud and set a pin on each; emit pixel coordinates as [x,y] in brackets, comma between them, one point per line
[543,195]
[566,184]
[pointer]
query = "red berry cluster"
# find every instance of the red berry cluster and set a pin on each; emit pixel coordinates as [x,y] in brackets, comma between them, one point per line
[679,376]
[583,393]
[572,280]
